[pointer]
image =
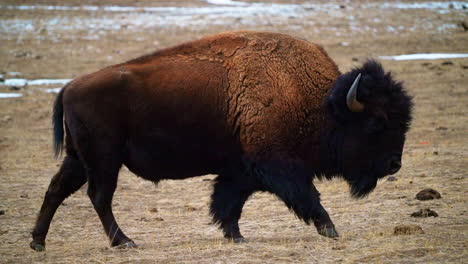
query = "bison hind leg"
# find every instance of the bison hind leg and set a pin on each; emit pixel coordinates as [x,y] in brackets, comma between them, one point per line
[68,179]
[229,196]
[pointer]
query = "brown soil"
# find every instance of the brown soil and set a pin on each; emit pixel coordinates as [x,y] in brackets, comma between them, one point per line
[407,230]
[170,222]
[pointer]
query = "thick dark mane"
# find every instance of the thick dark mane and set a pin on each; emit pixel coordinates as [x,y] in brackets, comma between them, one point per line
[376,88]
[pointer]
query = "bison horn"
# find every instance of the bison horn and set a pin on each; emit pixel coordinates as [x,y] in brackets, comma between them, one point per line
[351,99]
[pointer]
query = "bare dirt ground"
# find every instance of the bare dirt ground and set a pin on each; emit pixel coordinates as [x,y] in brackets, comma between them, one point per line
[170,222]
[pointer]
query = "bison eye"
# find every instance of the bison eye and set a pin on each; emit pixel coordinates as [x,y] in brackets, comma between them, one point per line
[375,125]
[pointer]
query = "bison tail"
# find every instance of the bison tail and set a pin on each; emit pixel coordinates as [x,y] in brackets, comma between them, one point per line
[57,121]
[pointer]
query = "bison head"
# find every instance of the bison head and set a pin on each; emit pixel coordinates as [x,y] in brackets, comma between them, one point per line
[371,114]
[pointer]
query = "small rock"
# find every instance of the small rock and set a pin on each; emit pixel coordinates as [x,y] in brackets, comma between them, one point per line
[435,153]
[407,230]
[344,44]
[442,128]
[6,118]
[190,208]
[464,66]
[153,210]
[425,213]
[23,54]
[339,247]
[392,178]
[2,212]
[159,219]
[15,88]
[464,25]
[354,59]
[342,6]
[24,196]
[426,63]
[447,63]
[428,194]
[206,180]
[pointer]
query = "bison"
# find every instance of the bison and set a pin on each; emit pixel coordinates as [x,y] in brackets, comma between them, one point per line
[264,111]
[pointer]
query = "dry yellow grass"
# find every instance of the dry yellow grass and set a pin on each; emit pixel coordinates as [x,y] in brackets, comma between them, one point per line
[179,230]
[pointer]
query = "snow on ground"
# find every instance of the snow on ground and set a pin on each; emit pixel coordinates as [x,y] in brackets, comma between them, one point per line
[425,56]
[10,95]
[23,82]
[226,2]
[218,12]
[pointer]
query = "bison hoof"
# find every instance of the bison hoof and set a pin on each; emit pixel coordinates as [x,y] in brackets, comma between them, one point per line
[37,246]
[237,240]
[126,245]
[328,232]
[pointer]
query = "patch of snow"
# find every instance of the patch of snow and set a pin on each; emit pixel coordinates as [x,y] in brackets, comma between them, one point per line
[230,5]
[24,82]
[230,13]
[446,27]
[53,90]
[48,81]
[10,95]
[222,8]
[226,2]
[390,29]
[120,8]
[15,82]
[459,5]
[150,17]
[425,56]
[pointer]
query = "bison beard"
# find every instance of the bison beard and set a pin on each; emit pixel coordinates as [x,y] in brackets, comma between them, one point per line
[264,111]
[363,187]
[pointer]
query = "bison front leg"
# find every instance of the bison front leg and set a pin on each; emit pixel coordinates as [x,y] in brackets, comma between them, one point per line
[293,185]
[229,195]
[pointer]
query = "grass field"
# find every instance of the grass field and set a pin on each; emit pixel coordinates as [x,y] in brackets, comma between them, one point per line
[170,223]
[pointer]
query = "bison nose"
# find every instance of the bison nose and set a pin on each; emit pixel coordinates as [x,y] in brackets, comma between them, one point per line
[394,166]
